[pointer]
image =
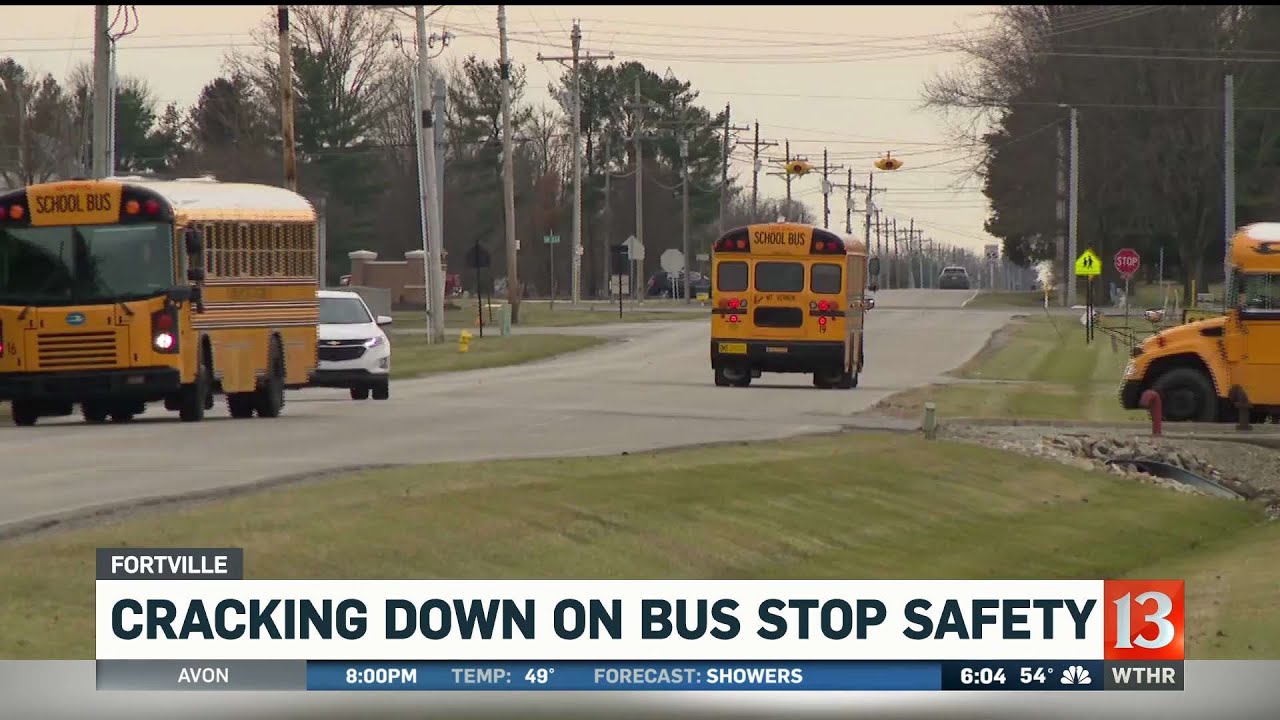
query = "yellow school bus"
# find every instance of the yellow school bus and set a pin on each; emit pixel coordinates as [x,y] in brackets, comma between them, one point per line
[121,292]
[1206,369]
[789,298]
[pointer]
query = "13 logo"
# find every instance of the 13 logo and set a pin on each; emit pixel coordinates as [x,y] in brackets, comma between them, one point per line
[1144,620]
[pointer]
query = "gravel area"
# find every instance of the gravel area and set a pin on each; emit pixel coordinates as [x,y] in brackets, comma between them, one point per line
[1252,471]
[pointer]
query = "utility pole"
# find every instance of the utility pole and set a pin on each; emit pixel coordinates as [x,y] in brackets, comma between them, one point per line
[871,191]
[724,169]
[102,140]
[576,59]
[508,173]
[637,107]
[848,208]
[1061,214]
[439,106]
[608,221]
[787,175]
[112,92]
[433,239]
[1073,227]
[684,191]
[755,168]
[285,47]
[826,188]
[1228,180]
[911,237]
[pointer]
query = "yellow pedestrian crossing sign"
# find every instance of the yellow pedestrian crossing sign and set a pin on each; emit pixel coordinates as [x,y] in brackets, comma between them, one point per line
[1088,264]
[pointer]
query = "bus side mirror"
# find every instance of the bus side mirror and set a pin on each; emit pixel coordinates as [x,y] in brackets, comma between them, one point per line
[873,267]
[194,241]
[873,287]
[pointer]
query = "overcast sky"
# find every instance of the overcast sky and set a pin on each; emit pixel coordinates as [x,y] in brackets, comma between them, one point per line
[845,78]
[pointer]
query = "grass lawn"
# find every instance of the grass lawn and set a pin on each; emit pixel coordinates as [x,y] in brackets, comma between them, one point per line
[850,506]
[1036,368]
[411,356]
[1145,295]
[987,299]
[540,313]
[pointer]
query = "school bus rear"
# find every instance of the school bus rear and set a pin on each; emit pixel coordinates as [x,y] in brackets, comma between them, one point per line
[781,299]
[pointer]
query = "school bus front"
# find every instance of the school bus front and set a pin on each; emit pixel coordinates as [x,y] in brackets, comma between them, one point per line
[781,305]
[92,310]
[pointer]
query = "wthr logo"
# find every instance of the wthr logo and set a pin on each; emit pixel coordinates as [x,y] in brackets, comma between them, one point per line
[1144,619]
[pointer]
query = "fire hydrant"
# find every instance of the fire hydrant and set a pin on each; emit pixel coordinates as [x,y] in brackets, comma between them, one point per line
[464,341]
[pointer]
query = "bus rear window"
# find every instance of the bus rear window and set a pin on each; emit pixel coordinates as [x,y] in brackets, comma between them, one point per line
[731,276]
[780,277]
[825,279]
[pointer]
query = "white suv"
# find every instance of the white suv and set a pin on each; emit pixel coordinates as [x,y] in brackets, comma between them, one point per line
[353,351]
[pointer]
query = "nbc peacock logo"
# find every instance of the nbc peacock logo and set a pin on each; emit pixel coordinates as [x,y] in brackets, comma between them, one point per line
[1076,675]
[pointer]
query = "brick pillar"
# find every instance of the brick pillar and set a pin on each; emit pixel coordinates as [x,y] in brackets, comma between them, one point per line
[358,260]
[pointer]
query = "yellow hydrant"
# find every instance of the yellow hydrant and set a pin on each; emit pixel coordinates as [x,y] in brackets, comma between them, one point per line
[464,341]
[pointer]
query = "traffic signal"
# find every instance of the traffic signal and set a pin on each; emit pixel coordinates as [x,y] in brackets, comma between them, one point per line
[619,260]
[797,167]
[888,163]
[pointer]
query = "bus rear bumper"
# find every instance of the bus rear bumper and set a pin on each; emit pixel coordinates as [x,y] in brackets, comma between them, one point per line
[789,356]
[145,384]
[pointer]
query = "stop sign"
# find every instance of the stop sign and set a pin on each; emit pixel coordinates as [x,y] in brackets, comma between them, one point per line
[1127,262]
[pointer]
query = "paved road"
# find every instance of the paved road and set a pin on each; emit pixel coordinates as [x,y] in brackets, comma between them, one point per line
[653,388]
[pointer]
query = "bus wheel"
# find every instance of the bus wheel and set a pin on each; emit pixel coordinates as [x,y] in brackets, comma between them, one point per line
[24,413]
[269,398]
[240,405]
[93,412]
[733,376]
[194,397]
[848,381]
[1187,396]
[121,416]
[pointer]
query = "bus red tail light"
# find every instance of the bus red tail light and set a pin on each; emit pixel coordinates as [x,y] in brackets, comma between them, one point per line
[733,318]
[823,305]
[151,207]
[164,332]
[822,321]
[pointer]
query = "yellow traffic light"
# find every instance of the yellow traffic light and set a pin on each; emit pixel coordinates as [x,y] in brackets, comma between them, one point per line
[888,162]
[797,167]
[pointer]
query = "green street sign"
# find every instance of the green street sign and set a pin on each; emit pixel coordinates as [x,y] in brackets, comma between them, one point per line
[551,239]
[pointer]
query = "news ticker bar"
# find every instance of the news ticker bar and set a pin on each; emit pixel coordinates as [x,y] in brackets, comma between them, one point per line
[667,676]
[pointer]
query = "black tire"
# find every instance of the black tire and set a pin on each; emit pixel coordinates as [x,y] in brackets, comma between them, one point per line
[24,413]
[93,412]
[848,381]
[732,377]
[240,405]
[269,398]
[194,398]
[821,380]
[121,417]
[382,391]
[1186,395]
[360,393]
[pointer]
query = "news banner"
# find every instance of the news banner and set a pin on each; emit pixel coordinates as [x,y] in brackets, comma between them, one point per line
[186,619]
